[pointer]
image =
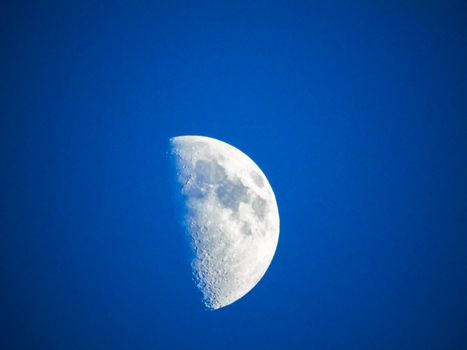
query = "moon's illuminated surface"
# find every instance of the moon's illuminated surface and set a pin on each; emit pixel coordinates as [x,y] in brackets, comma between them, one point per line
[231,217]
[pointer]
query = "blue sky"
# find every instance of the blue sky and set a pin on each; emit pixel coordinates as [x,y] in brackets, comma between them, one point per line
[355,112]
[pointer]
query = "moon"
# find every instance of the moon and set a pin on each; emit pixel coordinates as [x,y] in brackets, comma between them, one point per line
[231,217]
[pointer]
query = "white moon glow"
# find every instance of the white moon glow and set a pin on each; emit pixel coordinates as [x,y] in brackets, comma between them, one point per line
[231,217]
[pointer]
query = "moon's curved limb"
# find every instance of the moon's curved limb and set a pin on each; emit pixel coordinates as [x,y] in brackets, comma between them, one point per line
[231,217]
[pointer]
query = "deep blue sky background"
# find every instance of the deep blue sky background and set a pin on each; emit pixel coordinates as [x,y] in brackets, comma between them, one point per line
[355,112]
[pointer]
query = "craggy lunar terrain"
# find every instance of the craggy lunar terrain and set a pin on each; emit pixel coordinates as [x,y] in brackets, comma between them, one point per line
[231,216]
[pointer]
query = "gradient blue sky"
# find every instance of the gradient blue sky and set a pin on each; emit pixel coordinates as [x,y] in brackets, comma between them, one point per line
[356,112]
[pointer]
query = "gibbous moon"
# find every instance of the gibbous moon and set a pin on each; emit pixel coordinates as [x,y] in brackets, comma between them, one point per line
[231,216]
